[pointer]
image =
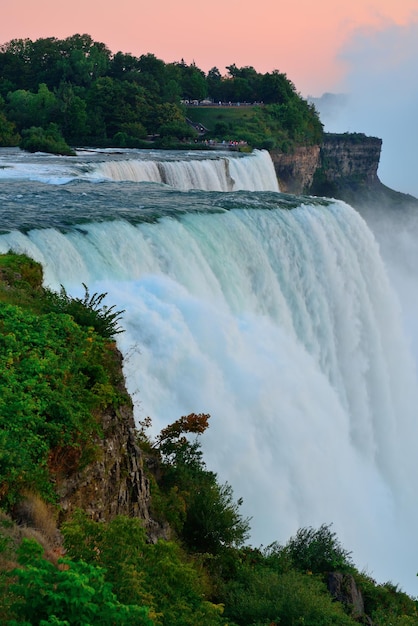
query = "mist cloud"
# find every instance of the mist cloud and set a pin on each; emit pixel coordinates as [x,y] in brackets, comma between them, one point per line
[381,98]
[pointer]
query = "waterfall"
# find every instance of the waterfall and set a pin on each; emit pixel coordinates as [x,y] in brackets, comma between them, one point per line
[283,326]
[273,313]
[254,172]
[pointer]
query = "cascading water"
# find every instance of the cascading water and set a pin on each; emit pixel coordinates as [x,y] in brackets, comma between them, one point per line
[280,323]
[220,174]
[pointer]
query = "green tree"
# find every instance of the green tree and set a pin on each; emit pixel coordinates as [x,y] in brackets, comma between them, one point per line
[49,139]
[28,109]
[84,60]
[72,112]
[211,520]
[318,551]
[75,593]
[8,134]
[113,104]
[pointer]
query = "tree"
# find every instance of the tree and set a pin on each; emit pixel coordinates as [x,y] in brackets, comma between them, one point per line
[211,519]
[85,60]
[8,134]
[317,551]
[75,593]
[214,82]
[113,103]
[49,139]
[72,113]
[32,109]
[193,82]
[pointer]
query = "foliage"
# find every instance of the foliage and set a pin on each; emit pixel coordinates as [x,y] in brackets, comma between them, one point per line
[92,95]
[177,130]
[201,510]
[88,311]
[259,595]
[55,374]
[37,139]
[75,593]
[29,109]
[159,575]
[8,134]
[386,603]
[317,551]
[50,385]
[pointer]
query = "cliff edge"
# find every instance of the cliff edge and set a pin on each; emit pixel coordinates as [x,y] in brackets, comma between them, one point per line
[344,166]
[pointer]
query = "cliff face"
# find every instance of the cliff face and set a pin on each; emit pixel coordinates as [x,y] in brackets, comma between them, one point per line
[350,157]
[295,172]
[343,166]
[114,482]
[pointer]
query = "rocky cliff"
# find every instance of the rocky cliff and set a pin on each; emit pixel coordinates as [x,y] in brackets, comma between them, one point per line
[344,167]
[114,482]
[295,171]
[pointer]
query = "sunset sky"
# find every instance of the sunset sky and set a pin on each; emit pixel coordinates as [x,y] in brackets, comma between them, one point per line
[301,38]
[368,48]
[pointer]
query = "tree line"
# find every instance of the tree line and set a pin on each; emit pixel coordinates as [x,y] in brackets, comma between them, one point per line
[91,95]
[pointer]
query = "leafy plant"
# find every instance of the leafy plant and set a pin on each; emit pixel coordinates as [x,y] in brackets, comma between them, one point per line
[53,377]
[160,575]
[37,139]
[89,311]
[75,593]
[204,512]
[317,551]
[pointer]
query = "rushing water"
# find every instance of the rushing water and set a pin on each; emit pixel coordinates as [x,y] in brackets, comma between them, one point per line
[273,313]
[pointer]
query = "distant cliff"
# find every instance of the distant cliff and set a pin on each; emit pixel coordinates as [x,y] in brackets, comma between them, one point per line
[344,166]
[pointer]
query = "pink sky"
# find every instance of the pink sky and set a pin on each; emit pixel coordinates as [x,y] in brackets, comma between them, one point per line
[300,37]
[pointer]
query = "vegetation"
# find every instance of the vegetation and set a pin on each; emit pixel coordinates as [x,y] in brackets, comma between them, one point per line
[92,96]
[38,139]
[57,373]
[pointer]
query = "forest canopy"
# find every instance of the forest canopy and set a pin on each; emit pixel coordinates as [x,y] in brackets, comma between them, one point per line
[94,96]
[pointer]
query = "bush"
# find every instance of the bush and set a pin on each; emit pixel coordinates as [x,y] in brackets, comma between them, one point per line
[75,594]
[37,139]
[210,519]
[160,575]
[54,375]
[87,311]
[317,551]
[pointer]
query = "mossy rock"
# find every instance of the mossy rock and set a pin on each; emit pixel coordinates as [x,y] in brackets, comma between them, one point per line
[17,270]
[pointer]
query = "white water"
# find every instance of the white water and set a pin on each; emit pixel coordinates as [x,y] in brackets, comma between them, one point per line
[280,324]
[220,174]
[196,170]
[283,326]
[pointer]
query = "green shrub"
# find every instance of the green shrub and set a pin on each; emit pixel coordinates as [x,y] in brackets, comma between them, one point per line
[75,593]
[38,139]
[53,377]
[159,575]
[87,311]
[317,551]
[258,595]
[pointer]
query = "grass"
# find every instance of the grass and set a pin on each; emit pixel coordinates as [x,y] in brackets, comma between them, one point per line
[210,116]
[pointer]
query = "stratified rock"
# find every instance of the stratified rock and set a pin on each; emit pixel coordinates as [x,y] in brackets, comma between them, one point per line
[343,588]
[114,482]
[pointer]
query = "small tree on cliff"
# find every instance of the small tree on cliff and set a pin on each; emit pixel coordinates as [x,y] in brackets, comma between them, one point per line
[208,518]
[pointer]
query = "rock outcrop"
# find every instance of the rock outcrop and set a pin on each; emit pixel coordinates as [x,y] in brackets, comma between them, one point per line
[114,482]
[344,166]
[295,171]
[343,588]
[341,162]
